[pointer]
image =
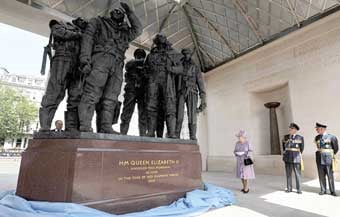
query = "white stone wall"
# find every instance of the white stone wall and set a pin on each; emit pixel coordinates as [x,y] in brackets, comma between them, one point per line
[301,70]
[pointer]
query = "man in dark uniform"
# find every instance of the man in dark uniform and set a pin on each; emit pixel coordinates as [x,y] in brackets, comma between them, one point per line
[63,74]
[162,63]
[102,58]
[189,86]
[135,92]
[327,147]
[293,145]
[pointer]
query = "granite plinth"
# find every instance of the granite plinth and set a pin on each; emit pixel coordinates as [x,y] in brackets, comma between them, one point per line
[113,173]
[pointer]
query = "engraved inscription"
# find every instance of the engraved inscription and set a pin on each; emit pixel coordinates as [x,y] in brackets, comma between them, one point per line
[149,171]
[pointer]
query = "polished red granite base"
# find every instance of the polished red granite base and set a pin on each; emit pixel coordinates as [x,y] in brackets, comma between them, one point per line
[110,174]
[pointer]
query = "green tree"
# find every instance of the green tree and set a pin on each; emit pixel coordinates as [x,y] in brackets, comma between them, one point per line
[16,112]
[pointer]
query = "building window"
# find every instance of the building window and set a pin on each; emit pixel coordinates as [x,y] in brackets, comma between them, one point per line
[18,143]
[21,79]
[39,82]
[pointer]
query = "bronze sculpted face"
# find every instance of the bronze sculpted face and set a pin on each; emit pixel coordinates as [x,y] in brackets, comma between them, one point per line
[117,15]
[160,40]
[187,56]
[80,22]
[186,53]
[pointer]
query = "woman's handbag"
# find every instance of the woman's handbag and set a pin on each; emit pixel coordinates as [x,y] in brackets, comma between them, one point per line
[248,161]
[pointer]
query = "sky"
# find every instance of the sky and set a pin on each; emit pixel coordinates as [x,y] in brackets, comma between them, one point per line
[21,51]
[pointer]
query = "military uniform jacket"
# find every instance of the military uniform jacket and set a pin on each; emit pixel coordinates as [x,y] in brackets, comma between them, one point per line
[323,142]
[161,65]
[158,61]
[292,141]
[104,35]
[66,39]
[135,76]
[191,80]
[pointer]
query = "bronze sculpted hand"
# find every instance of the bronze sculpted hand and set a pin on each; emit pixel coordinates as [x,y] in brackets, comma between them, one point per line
[86,69]
[85,66]
[168,65]
[202,106]
[126,7]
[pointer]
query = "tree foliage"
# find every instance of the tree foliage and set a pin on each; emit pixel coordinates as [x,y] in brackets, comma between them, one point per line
[16,112]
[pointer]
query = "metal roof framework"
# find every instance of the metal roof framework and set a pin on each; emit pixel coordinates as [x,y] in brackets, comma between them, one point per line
[216,30]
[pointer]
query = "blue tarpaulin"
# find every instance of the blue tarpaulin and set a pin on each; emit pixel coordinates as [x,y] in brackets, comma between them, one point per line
[194,203]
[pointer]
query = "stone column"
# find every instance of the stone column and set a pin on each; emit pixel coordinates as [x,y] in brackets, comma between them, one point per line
[274,129]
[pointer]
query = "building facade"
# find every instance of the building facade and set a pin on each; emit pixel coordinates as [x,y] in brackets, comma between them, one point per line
[33,88]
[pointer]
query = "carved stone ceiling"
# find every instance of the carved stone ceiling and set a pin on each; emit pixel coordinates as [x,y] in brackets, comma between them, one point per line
[217,30]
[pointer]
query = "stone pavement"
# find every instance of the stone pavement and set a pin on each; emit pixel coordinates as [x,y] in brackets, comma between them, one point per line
[9,170]
[266,196]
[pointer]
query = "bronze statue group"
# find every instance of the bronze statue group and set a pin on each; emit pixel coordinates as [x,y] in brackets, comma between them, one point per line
[88,63]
